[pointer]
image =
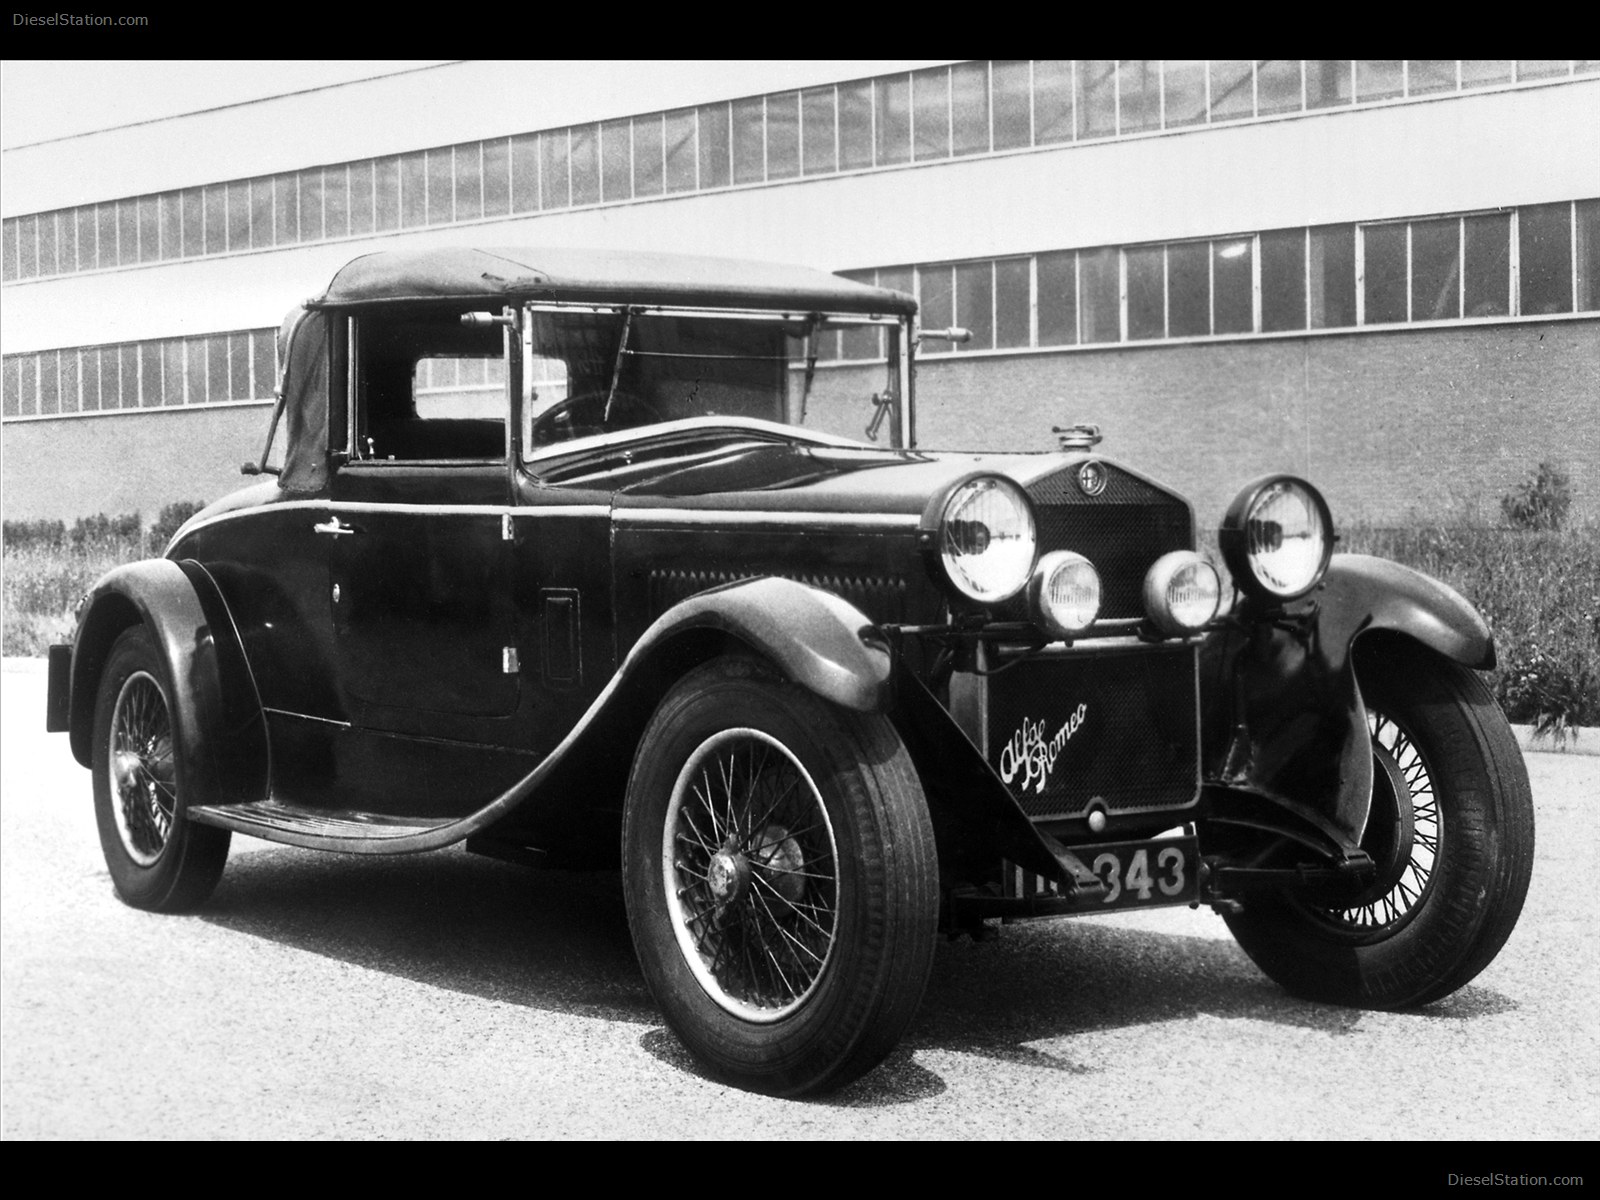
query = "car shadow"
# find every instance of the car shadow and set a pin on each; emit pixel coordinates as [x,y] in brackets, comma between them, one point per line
[558,941]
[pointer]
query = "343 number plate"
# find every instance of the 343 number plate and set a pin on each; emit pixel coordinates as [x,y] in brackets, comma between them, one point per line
[1145,874]
[1134,874]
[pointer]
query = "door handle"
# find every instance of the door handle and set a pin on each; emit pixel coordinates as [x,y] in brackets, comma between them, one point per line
[334,527]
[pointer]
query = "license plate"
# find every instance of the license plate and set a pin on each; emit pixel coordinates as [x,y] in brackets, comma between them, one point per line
[1134,874]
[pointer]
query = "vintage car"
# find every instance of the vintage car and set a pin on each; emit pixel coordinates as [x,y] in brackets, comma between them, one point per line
[589,559]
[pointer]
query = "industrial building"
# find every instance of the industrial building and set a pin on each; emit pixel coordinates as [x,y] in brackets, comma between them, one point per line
[1383,275]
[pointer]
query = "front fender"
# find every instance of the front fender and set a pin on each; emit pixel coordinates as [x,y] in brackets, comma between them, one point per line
[1282,713]
[218,724]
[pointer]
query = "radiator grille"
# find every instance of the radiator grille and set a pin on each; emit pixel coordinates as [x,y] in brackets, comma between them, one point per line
[1120,726]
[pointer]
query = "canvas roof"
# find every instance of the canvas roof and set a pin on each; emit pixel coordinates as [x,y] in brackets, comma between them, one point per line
[599,276]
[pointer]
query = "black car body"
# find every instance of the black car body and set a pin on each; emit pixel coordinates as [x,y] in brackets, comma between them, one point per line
[568,557]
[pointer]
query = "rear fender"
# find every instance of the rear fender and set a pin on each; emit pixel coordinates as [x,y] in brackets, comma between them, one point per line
[215,709]
[1282,713]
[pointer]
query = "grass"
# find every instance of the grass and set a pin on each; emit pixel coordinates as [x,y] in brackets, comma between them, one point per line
[1538,589]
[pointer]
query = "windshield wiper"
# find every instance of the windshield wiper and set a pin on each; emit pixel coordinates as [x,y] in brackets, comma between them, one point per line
[616,371]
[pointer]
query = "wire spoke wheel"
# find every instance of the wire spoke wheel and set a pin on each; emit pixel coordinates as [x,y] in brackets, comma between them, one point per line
[1399,766]
[750,867]
[143,784]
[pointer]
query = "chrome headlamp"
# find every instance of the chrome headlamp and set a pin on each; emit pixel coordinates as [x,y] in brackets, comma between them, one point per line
[1064,593]
[986,540]
[1276,538]
[1181,593]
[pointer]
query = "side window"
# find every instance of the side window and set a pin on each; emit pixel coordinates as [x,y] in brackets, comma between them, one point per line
[547,386]
[431,390]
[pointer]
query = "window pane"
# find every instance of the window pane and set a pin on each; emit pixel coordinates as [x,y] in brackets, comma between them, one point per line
[105,216]
[680,150]
[440,187]
[969,108]
[1384,268]
[1483,72]
[783,135]
[263,229]
[1588,255]
[934,290]
[1425,76]
[861,343]
[28,246]
[1097,97]
[49,383]
[45,223]
[1436,270]
[310,189]
[1183,90]
[11,266]
[749,145]
[1139,82]
[524,173]
[1544,68]
[413,195]
[554,185]
[469,181]
[496,177]
[128,376]
[335,202]
[1058,299]
[1233,90]
[239,366]
[1189,289]
[27,389]
[1012,302]
[930,91]
[855,125]
[1327,82]
[1545,247]
[176,391]
[87,235]
[150,222]
[192,204]
[894,119]
[975,304]
[1277,86]
[616,160]
[12,385]
[1146,293]
[216,225]
[69,380]
[1283,280]
[361,200]
[817,113]
[1052,101]
[1099,292]
[584,149]
[648,178]
[1488,265]
[1013,126]
[1332,270]
[150,374]
[714,160]
[263,366]
[89,388]
[386,193]
[1233,285]
[1379,79]
[217,373]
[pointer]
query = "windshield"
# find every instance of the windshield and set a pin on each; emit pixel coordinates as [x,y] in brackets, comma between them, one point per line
[597,371]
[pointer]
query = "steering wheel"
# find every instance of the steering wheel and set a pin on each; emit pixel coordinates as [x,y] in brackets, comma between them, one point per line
[585,414]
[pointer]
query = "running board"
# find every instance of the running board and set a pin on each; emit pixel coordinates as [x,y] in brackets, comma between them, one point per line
[319,829]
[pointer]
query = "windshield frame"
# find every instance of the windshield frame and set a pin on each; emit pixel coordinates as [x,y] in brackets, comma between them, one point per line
[896,395]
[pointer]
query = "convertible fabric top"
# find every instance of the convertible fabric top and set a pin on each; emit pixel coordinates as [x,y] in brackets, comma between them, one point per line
[599,276]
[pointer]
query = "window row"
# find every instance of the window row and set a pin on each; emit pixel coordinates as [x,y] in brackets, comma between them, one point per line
[921,116]
[1532,261]
[166,373]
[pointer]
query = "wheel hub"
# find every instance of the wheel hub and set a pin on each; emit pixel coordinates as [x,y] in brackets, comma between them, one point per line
[728,874]
[125,768]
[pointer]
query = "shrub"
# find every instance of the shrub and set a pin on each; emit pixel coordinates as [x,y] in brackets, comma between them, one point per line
[101,531]
[1541,500]
[23,535]
[172,516]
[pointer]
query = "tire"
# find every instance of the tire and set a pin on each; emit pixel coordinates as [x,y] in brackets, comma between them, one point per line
[159,860]
[798,836]
[1452,809]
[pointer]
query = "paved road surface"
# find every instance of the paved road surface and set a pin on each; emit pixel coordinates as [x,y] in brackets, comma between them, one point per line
[329,996]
